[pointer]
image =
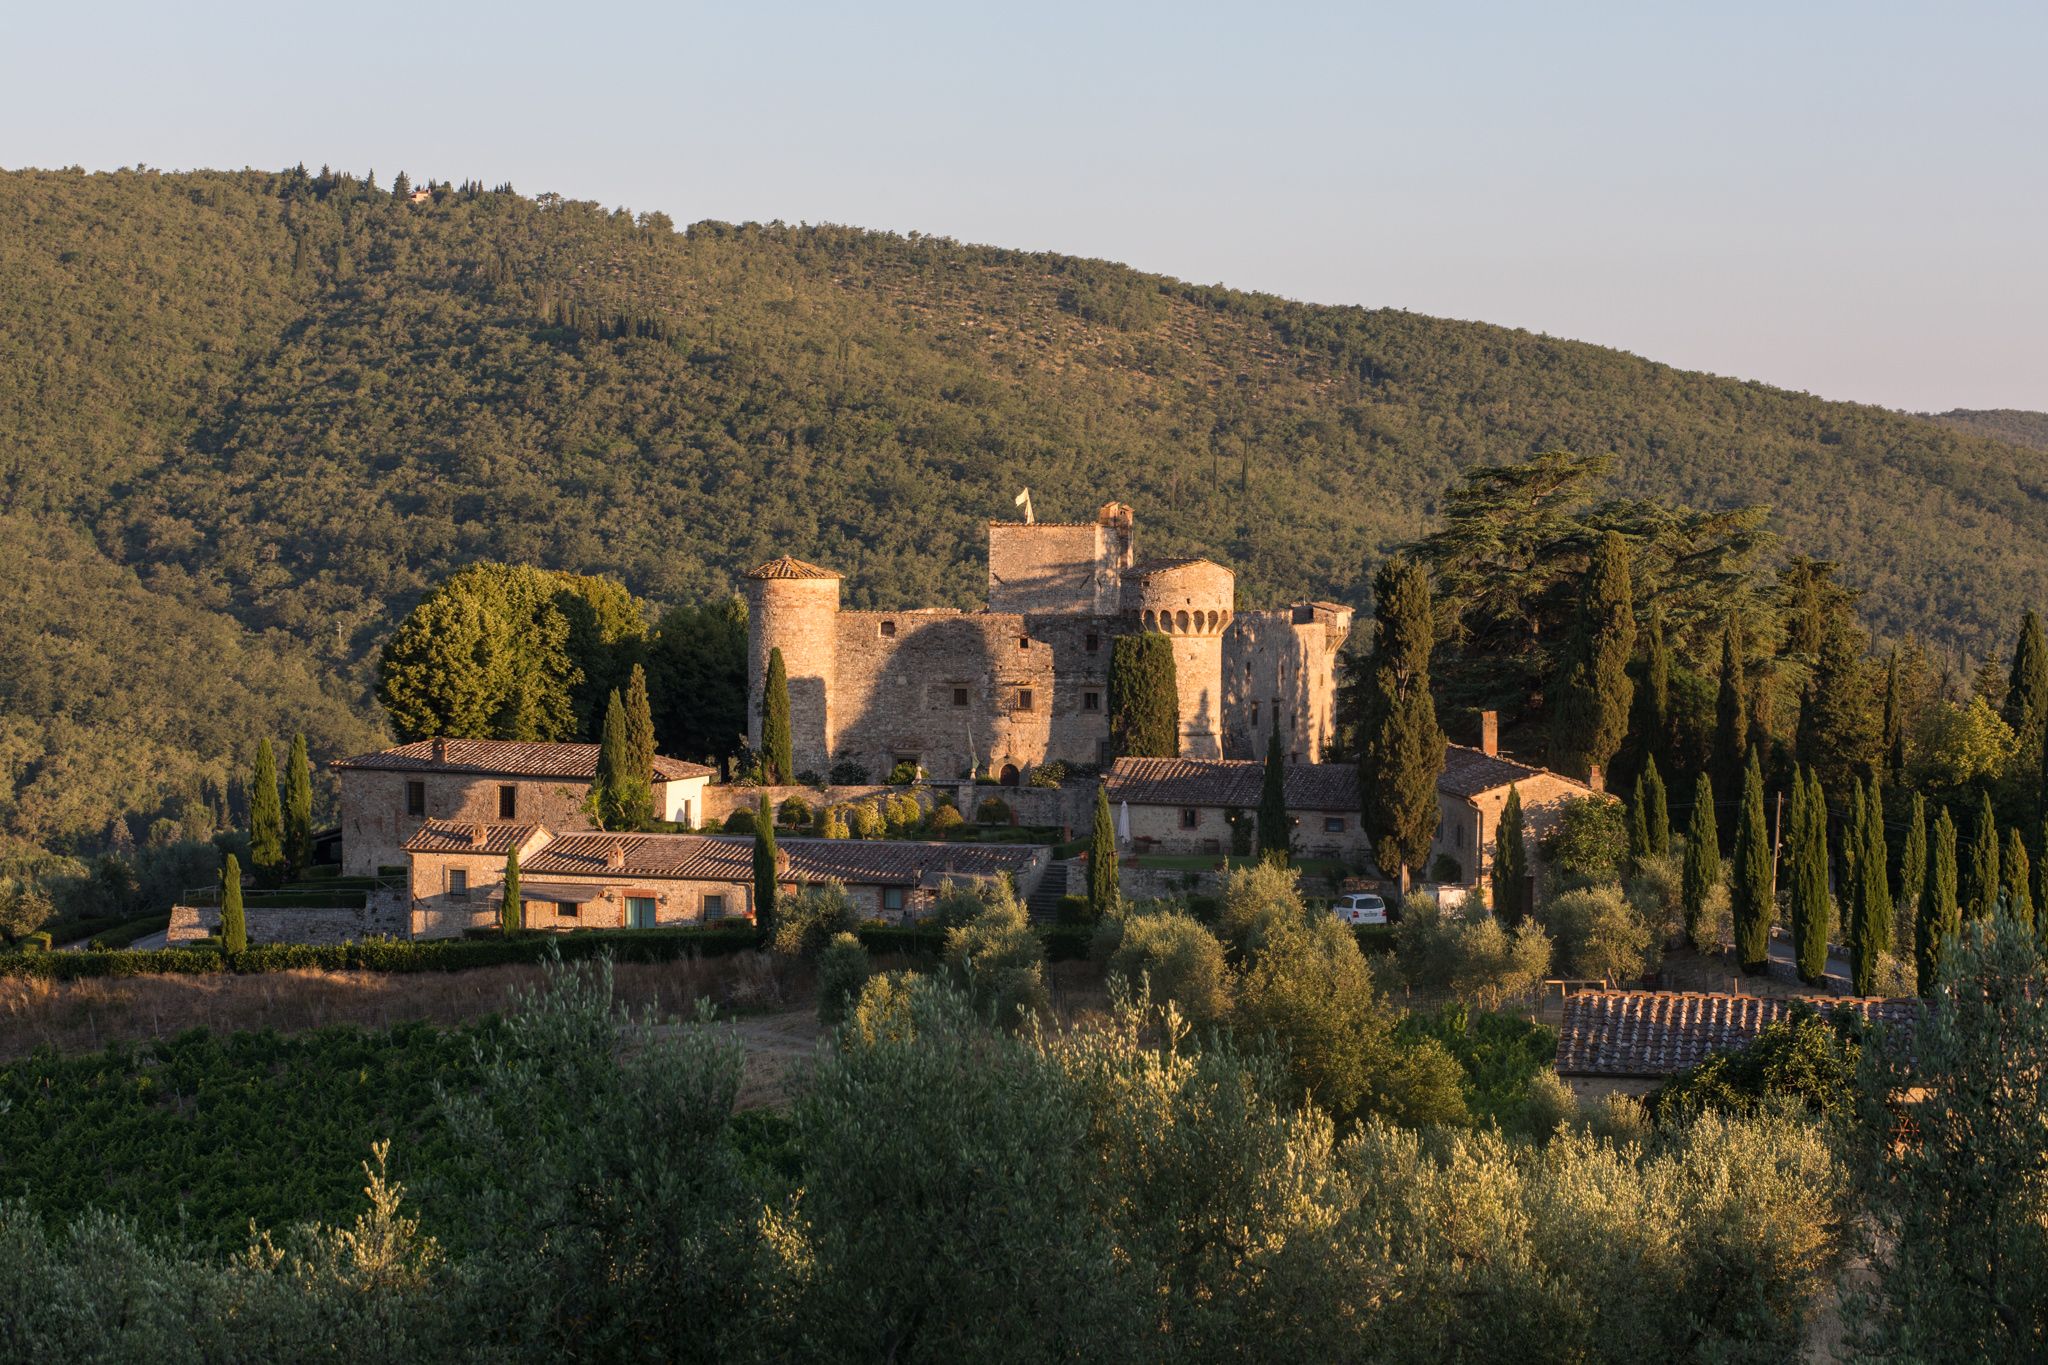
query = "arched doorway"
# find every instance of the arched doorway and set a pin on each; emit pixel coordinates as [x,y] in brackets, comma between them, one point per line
[1008,776]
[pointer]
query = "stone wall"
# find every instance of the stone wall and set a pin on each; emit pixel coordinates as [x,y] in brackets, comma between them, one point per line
[375,826]
[1468,827]
[383,917]
[1055,568]
[1282,664]
[1159,829]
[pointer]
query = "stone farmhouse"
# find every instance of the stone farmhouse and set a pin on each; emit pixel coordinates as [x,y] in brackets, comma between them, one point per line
[388,796]
[589,880]
[1185,806]
[1024,681]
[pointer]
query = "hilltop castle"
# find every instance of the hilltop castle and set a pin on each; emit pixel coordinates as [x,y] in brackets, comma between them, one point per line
[1025,681]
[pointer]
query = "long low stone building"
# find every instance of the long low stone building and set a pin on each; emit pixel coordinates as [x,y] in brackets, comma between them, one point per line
[1186,806]
[389,795]
[590,880]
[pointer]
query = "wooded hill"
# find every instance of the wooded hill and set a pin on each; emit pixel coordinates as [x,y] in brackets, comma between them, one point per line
[246,419]
[2015,425]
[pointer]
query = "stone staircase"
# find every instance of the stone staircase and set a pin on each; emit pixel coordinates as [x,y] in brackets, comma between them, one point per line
[1044,900]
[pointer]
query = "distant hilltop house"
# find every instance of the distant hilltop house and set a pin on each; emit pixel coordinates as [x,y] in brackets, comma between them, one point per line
[1024,681]
[1185,806]
[422,195]
[590,880]
[388,796]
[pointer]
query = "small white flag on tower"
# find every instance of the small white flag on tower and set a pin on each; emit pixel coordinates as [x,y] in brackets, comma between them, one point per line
[1023,500]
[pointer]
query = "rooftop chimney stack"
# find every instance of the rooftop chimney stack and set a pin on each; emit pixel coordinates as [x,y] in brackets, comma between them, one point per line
[1489,733]
[615,856]
[440,749]
[1594,779]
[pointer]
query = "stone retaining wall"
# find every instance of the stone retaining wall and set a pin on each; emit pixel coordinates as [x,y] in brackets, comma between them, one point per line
[384,916]
[1071,806]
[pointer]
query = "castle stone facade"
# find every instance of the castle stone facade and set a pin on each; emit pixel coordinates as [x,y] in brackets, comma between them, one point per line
[1026,680]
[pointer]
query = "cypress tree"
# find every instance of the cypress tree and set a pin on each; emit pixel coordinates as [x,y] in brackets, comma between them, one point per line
[1273,833]
[1874,893]
[1851,843]
[1731,717]
[640,725]
[1510,863]
[1702,869]
[1104,890]
[266,818]
[298,809]
[2026,692]
[1981,895]
[1811,911]
[621,792]
[1894,724]
[1653,698]
[512,914]
[1639,827]
[764,869]
[1652,787]
[2016,878]
[2041,890]
[776,752]
[1912,881]
[1594,689]
[234,926]
[1401,749]
[1838,726]
[1750,893]
[1144,697]
[1940,915]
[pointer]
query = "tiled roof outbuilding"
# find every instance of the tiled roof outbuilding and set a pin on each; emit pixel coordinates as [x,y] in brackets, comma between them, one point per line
[1660,1033]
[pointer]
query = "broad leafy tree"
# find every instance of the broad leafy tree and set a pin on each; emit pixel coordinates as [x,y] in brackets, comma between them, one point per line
[697,675]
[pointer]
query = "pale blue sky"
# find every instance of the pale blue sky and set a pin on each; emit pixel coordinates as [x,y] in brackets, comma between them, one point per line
[1846,198]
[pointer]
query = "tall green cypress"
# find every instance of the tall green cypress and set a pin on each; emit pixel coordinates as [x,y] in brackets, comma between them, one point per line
[1104,890]
[1750,892]
[2015,879]
[1594,690]
[512,914]
[1659,818]
[1731,717]
[2026,691]
[640,724]
[1912,883]
[1874,893]
[1510,863]
[234,925]
[1894,723]
[1981,895]
[621,792]
[1811,911]
[1940,915]
[1702,869]
[1144,697]
[1401,748]
[776,752]
[1638,827]
[298,809]
[764,869]
[1851,854]
[1653,698]
[266,818]
[1273,832]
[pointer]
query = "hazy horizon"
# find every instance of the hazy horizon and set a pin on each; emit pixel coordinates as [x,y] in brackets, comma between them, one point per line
[1844,200]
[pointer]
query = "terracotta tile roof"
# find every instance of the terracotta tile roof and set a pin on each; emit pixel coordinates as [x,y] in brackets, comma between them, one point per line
[788,566]
[1660,1033]
[703,857]
[1229,782]
[507,758]
[468,836]
[1468,772]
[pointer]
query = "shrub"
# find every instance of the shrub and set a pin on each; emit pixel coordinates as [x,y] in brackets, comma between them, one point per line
[1447,870]
[1657,892]
[809,778]
[1599,934]
[905,773]
[847,773]
[1053,774]
[793,813]
[832,823]
[1257,898]
[1075,910]
[865,820]
[739,822]
[843,971]
[943,820]
[37,942]
[1469,954]
[1805,1057]
[903,814]
[1182,960]
[959,902]
[1589,843]
[806,920]
[998,962]
[993,810]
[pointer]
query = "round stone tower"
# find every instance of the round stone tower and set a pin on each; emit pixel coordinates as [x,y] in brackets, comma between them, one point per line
[1190,602]
[794,607]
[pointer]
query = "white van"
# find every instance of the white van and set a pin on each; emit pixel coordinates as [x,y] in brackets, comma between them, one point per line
[1361,907]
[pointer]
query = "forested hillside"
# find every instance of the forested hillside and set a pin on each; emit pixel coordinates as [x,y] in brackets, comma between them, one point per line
[247,419]
[2016,425]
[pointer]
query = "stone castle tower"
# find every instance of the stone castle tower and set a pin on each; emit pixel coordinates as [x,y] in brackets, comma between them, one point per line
[1024,682]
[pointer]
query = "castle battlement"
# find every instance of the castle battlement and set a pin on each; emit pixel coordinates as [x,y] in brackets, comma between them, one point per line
[1024,681]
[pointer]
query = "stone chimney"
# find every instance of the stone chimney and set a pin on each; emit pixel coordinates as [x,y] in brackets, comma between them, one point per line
[1489,733]
[615,856]
[478,836]
[440,749]
[1595,780]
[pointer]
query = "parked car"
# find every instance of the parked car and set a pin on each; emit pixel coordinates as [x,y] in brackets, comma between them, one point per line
[1361,907]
